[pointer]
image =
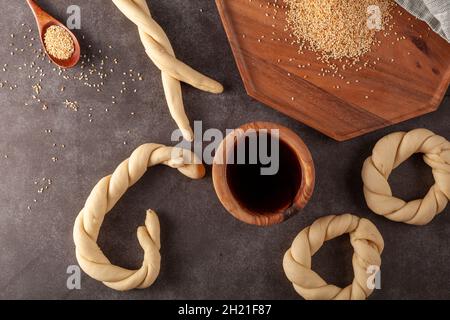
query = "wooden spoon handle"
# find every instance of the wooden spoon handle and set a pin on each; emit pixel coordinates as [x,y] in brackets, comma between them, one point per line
[32,4]
[42,18]
[34,7]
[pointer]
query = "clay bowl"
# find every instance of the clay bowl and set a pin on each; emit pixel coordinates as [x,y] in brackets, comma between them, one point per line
[234,205]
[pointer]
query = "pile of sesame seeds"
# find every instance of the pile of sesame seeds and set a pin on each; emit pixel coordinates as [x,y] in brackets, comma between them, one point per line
[58,43]
[337,29]
[313,64]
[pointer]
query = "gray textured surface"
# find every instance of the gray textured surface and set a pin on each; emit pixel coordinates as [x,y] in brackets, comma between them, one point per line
[206,253]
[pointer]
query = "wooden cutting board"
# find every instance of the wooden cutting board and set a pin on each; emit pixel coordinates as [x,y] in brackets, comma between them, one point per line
[405,78]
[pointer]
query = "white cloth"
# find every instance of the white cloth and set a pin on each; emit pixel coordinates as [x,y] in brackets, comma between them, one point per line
[434,12]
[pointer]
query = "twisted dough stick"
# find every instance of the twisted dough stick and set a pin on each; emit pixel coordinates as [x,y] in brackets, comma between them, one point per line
[103,198]
[388,154]
[366,240]
[158,48]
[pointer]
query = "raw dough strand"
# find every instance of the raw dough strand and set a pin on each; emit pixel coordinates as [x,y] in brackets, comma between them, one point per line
[158,48]
[389,153]
[103,198]
[366,240]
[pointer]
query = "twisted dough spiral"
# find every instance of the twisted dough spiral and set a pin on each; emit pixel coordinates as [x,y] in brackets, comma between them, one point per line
[366,240]
[103,198]
[158,48]
[387,155]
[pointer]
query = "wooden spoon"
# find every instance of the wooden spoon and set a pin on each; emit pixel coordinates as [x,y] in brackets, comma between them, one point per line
[44,20]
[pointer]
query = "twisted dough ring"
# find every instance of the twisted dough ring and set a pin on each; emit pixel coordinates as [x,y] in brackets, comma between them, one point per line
[366,240]
[158,48]
[103,198]
[388,154]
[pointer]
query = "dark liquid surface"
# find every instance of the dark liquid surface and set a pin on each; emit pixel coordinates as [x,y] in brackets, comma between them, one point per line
[265,193]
